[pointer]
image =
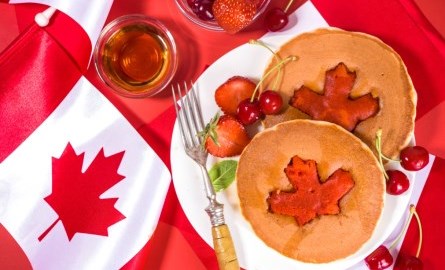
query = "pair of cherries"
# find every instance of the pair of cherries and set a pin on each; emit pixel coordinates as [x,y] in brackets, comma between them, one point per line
[412,158]
[381,259]
[251,110]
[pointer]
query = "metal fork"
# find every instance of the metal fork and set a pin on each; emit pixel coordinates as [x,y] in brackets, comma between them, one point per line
[190,122]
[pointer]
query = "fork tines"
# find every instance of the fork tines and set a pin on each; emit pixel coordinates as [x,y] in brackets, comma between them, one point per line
[189,114]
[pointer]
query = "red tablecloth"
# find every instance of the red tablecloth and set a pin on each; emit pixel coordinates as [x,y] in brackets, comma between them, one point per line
[175,244]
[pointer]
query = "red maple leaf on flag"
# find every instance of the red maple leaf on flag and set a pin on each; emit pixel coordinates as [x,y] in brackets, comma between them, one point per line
[76,195]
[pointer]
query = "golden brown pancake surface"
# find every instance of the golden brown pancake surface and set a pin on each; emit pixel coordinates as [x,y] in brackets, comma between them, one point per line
[379,70]
[327,237]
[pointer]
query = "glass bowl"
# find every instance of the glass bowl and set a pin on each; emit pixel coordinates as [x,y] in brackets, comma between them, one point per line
[136,56]
[211,25]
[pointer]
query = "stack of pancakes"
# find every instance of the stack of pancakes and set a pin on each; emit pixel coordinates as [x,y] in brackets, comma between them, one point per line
[381,72]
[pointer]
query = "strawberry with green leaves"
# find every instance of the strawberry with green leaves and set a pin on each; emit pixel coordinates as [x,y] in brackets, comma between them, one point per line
[224,136]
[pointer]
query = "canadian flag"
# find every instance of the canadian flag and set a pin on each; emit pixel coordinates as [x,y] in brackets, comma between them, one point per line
[79,187]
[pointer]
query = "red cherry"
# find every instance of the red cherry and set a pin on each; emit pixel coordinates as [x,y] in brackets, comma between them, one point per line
[276,19]
[414,158]
[408,263]
[379,259]
[249,112]
[202,9]
[397,182]
[270,102]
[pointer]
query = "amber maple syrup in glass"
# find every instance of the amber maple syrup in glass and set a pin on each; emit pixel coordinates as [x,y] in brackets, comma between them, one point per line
[137,58]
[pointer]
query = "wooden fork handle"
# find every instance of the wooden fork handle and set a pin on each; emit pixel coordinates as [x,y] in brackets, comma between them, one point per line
[224,248]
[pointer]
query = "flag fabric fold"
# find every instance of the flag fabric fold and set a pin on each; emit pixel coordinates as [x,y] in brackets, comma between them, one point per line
[50,114]
[89,14]
[79,187]
[33,63]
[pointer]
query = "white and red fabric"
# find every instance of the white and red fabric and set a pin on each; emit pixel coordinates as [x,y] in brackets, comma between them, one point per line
[89,14]
[398,22]
[79,187]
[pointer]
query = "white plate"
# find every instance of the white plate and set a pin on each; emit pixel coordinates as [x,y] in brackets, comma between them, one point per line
[249,61]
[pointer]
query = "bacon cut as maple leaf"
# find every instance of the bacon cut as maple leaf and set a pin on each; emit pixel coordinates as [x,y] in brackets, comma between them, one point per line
[335,104]
[76,195]
[310,197]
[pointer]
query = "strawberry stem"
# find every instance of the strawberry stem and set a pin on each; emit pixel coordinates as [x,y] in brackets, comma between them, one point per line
[209,131]
[282,62]
[277,58]
[288,6]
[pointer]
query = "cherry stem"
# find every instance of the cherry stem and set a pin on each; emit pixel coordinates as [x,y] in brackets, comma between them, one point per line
[405,227]
[379,137]
[282,62]
[378,146]
[412,212]
[277,58]
[288,6]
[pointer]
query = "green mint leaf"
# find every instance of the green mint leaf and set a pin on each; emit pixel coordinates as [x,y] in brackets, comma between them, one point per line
[222,174]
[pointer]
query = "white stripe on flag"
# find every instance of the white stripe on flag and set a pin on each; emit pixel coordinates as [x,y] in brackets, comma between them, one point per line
[89,122]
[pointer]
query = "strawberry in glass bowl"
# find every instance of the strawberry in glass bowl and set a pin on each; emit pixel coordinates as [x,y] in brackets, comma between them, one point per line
[230,16]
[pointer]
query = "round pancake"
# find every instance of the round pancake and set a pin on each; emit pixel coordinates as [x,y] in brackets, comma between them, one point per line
[328,237]
[379,71]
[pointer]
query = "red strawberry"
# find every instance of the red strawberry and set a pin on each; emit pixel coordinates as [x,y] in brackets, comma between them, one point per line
[225,136]
[234,15]
[232,92]
[257,3]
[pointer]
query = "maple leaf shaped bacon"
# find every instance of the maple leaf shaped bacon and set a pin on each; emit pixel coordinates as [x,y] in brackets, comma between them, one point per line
[335,104]
[75,195]
[310,197]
